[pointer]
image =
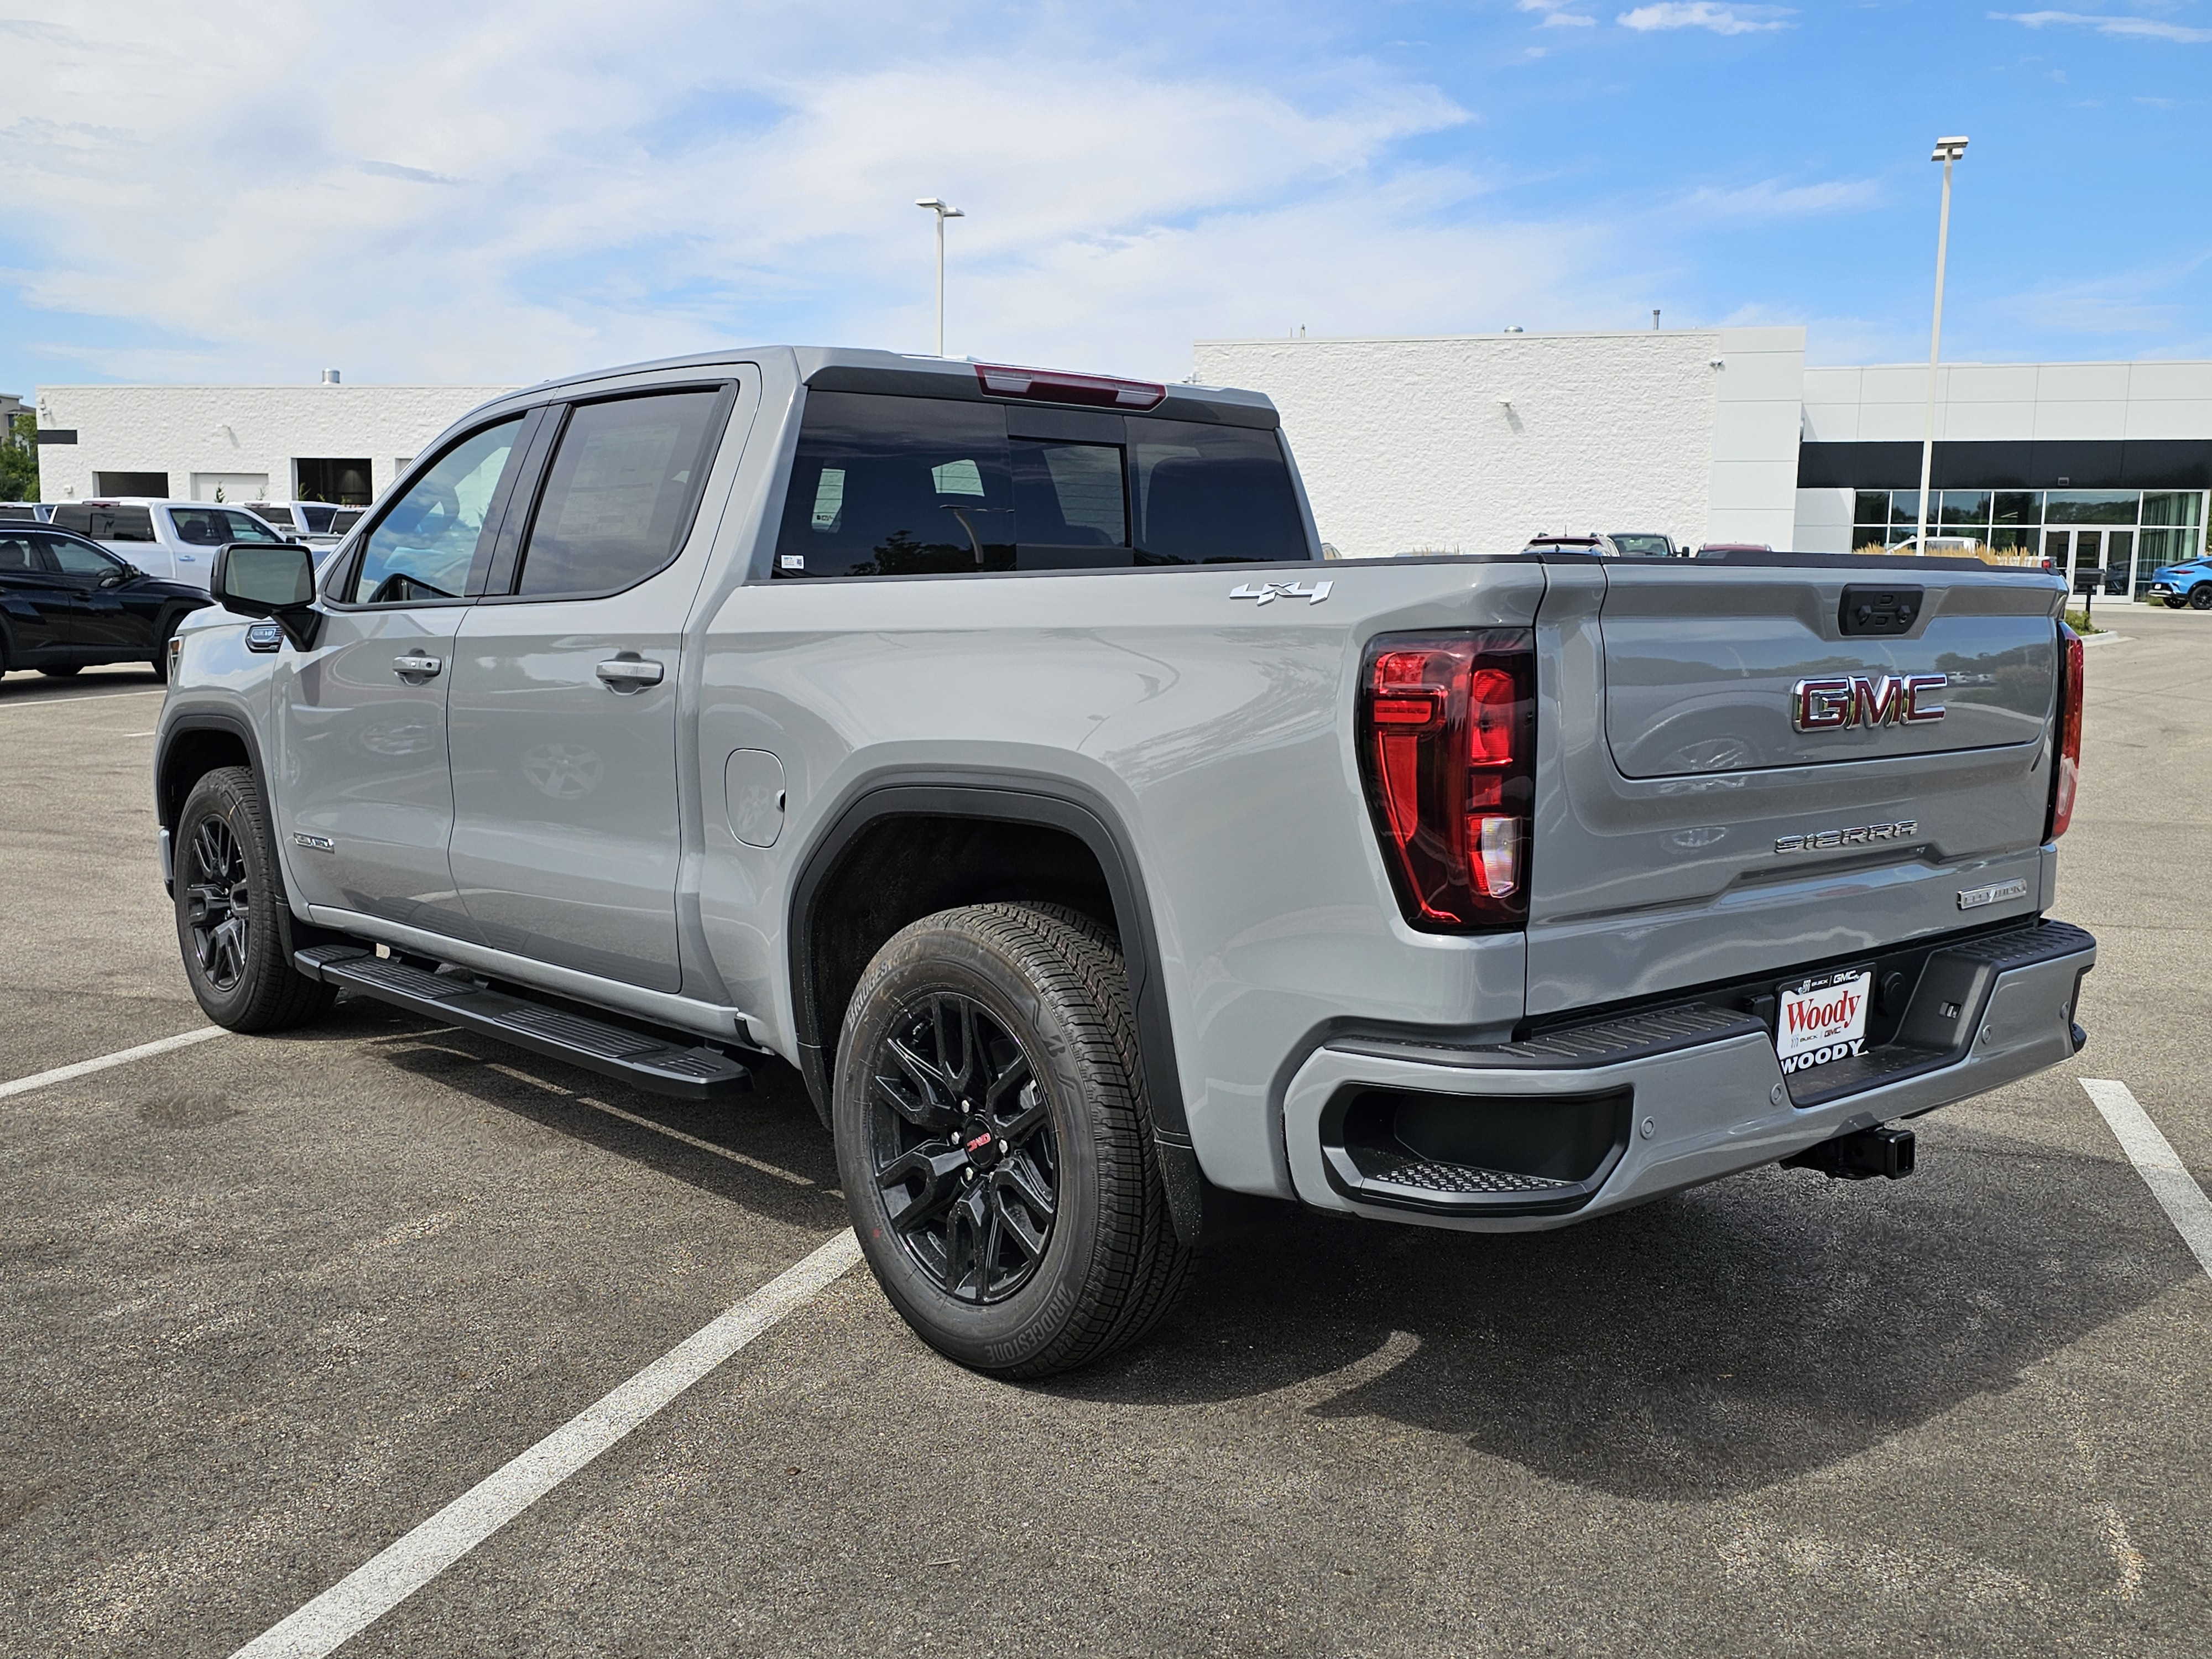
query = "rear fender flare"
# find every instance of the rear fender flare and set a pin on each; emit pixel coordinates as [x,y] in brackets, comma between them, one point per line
[1047,803]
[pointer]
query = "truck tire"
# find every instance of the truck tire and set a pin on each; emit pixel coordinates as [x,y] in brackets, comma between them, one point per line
[229,894]
[994,1139]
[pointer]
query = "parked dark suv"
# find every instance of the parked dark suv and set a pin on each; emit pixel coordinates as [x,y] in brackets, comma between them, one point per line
[66,602]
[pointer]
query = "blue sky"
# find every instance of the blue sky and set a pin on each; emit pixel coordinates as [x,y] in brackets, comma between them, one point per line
[417,191]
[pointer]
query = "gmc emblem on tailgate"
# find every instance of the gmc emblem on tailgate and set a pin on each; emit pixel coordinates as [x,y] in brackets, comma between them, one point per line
[1845,701]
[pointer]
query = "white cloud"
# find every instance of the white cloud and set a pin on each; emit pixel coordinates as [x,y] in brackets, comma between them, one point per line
[1554,14]
[1704,15]
[528,189]
[2139,27]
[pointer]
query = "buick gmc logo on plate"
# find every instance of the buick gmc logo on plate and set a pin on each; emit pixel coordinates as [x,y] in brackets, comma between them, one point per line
[1819,1020]
[1841,701]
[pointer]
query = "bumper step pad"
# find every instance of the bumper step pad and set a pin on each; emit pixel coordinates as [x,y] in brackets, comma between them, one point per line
[658,1067]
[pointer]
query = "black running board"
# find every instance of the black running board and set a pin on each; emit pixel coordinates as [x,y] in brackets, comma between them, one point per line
[701,1074]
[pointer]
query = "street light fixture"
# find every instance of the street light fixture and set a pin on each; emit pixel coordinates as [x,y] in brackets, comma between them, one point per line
[1947,150]
[944,210]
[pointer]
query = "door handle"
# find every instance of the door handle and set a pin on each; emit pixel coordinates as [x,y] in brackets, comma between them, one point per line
[414,665]
[629,674]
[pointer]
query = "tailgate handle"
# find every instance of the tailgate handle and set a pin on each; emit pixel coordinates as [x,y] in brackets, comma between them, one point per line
[1869,609]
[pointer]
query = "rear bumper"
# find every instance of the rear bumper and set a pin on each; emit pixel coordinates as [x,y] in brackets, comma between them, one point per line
[1651,1103]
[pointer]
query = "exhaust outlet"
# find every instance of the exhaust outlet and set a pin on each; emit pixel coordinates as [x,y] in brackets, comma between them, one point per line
[1862,1155]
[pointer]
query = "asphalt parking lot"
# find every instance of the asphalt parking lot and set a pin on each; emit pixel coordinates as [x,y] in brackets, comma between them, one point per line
[271,1303]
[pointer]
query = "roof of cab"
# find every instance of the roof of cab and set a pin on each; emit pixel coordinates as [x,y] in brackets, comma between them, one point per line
[854,369]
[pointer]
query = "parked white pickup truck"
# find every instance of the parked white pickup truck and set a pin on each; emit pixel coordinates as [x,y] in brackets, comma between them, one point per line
[176,540]
[993,746]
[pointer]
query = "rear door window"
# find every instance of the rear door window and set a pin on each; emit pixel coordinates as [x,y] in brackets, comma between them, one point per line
[23,556]
[620,494]
[897,487]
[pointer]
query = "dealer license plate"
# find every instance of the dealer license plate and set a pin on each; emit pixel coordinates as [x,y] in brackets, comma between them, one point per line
[1822,1020]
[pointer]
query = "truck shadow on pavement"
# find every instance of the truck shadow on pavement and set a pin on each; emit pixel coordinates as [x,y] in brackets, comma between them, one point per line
[767,1153]
[1703,1347]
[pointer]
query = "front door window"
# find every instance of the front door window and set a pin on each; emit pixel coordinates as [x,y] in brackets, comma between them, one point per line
[424,546]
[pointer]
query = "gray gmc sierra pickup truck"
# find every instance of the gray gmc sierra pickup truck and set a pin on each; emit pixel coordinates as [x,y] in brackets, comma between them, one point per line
[993,746]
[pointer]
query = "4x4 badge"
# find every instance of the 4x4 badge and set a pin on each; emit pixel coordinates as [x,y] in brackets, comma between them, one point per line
[1268,592]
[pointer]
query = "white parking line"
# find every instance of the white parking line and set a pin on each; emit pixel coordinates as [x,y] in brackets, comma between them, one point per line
[381,1583]
[6,703]
[2165,1173]
[23,1086]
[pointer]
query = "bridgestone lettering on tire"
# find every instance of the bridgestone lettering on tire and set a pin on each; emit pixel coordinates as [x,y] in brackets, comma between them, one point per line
[228,891]
[994,1140]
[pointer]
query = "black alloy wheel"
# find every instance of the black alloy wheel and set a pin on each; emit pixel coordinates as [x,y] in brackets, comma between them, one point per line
[218,903]
[230,904]
[2200,597]
[994,1140]
[960,1140]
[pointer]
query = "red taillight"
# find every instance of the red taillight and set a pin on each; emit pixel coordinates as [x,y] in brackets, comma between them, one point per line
[2067,776]
[1447,749]
[1053,386]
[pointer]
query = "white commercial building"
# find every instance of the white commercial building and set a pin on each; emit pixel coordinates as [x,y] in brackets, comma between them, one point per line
[326,442]
[1474,442]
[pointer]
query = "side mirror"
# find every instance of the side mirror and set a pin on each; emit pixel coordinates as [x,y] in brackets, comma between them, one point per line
[268,579]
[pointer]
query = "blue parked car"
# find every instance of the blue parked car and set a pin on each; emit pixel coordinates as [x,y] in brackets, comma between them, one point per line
[2189,584]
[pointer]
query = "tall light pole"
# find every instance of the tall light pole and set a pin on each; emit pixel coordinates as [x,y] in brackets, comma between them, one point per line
[1947,150]
[946,210]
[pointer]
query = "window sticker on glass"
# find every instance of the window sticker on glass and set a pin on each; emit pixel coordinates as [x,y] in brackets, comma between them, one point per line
[829,497]
[961,477]
[1824,1019]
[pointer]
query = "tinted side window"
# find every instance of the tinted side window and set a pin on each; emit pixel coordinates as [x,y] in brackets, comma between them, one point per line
[245,527]
[20,556]
[617,498]
[342,522]
[897,486]
[201,526]
[1212,495]
[425,544]
[279,516]
[318,517]
[76,559]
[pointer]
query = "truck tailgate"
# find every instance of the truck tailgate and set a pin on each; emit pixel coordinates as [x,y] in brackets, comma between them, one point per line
[1734,784]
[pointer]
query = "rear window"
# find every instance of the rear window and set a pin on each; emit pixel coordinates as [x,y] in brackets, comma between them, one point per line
[319,518]
[105,523]
[345,518]
[889,486]
[279,516]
